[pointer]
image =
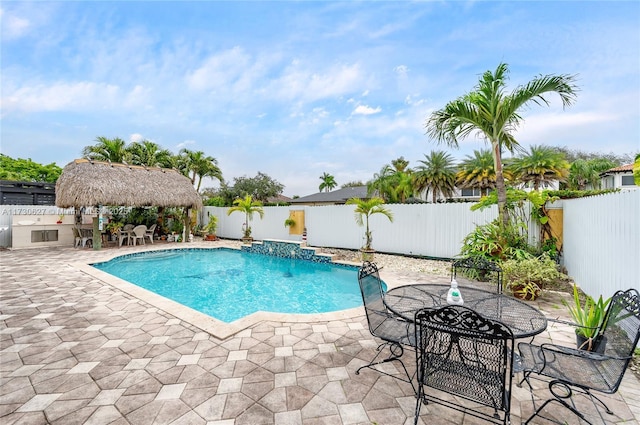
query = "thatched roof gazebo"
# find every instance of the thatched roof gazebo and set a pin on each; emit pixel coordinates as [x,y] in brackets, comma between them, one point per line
[85,183]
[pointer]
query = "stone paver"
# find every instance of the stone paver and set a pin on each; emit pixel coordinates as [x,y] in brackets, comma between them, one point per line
[75,349]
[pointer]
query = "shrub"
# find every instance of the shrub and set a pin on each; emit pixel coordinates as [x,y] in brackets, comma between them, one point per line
[494,243]
[530,276]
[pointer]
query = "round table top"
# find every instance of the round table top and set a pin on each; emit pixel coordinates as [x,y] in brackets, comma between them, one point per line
[523,319]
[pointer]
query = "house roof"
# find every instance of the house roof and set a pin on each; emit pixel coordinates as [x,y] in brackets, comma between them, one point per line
[339,196]
[85,182]
[278,198]
[621,169]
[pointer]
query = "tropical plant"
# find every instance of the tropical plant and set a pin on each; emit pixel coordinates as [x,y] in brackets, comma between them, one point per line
[539,167]
[495,115]
[526,278]
[394,183]
[364,209]
[211,226]
[382,184]
[436,174]
[495,242]
[197,165]
[328,182]
[476,172]
[249,207]
[149,154]
[588,316]
[114,227]
[106,149]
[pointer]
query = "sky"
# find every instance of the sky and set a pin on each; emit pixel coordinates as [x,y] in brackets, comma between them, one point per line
[298,89]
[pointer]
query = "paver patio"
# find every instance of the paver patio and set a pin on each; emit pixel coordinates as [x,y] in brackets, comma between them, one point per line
[75,349]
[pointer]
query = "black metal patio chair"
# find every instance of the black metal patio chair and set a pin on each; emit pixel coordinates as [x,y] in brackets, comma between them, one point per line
[574,371]
[383,324]
[478,268]
[467,356]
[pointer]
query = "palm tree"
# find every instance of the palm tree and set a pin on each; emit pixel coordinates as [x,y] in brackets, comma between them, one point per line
[404,186]
[400,164]
[436,174]
[148,153]
[476,172]
[365,208]
[199,166]
[495,115]
[394,182]
[382,184]
[247,206]
[540,167]
[328,182]
[105,149]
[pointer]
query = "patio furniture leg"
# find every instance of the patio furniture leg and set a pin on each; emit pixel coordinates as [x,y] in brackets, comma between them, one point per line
[395,353]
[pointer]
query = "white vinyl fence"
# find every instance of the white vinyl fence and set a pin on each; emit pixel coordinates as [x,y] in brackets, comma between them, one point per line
[431,230]
[602,242]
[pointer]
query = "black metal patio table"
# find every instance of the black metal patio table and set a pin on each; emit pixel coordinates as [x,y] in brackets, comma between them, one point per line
[523,319]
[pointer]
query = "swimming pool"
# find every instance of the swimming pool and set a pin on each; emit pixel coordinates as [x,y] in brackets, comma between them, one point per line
[228,284]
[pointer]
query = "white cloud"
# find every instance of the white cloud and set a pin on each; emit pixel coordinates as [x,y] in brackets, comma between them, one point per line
[220,71]
[546,126]
[300,83]
[366,110]
[185,144]
[13,26]
[136,138]
[401,70]
[78,96]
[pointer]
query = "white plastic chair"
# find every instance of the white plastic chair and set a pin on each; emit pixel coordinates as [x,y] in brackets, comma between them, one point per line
[138,232]
[125,233]
[149,232]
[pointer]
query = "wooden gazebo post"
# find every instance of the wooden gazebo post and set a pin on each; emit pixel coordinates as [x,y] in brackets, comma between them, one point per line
[97,233]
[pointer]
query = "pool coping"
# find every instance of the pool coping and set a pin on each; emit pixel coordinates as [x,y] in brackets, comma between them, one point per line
[215,327]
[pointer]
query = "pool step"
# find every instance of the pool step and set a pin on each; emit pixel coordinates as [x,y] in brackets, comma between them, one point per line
[287,249]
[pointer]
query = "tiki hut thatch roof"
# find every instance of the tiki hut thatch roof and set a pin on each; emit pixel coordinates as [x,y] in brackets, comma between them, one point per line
[87,183]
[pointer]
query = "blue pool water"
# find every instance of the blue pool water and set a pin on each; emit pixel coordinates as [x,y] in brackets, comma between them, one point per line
[228,284]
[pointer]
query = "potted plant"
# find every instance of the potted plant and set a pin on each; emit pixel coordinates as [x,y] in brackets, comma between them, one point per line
[210,228]
[289,222]
[60,217]
[526,278]
[114,227]
[588,318]
[365,208]
[248,206]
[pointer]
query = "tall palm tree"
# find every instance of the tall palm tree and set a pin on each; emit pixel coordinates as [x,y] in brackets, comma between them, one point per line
[404,186]
[328,182]
[249,207]
[106,149]
[148,153]
[581,173]
[400,164]
[437,174]
[494,115]
[366,208]
[382,184]
[539,167]
[198,166]
[477,172]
